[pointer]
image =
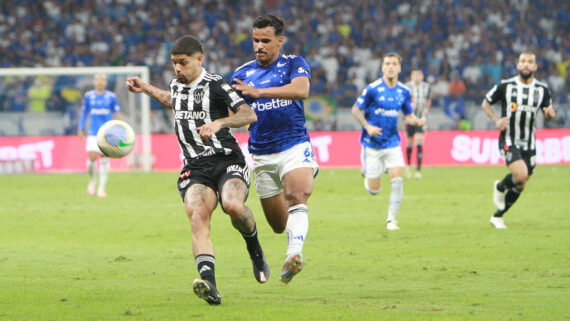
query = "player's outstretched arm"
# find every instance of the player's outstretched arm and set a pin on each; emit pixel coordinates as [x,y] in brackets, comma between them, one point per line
[136,85]
[243,116]
[298,89]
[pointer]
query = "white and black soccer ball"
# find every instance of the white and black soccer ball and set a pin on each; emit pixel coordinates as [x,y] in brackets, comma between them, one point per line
[115,138]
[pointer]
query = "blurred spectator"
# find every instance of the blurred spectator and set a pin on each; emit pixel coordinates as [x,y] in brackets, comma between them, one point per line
[455,103]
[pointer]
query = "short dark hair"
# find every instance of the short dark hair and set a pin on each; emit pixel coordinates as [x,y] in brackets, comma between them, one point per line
[187,45]
[269,20]
[392,54]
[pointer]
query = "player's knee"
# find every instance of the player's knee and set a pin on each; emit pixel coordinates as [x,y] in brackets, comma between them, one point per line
[233,208]
[372,191]
[297,197]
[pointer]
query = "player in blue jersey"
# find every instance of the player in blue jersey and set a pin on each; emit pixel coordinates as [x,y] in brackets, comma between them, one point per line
[274,85]
[377,110]
[100,105]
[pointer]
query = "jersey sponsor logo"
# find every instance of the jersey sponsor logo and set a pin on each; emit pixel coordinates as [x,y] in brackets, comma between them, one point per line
[100,111]
[190,114]
[179,95]
[386,112]
[184,183]
[302,70]
[249,72]
[279,65]
[265,81]
[382,98]
[272,104]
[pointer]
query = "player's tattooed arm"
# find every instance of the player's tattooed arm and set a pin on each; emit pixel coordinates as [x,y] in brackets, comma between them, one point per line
[136,85]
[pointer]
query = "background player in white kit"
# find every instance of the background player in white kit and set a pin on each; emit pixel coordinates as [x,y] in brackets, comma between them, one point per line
[100,105]
[377,110]
[421,100]
[274,85]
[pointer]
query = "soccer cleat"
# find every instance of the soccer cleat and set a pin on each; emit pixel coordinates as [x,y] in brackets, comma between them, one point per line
[418,175]
[91,188]
[392,226]
[101,192]
[207,291]
[498,223]
[498,197]
[293,265]
[260,266]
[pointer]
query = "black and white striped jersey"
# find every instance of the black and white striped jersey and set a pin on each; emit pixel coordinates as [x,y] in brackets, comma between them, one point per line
[420,95]
[520,102]
[203,101]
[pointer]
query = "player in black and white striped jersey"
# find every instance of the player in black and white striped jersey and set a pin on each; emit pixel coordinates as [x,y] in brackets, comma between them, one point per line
[204,108]
[521,98]
[421,100]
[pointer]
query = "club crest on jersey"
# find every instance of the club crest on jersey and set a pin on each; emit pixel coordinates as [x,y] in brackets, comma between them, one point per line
[198,95]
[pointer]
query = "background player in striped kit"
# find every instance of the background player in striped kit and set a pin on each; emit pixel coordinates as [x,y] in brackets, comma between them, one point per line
[100,105]
[275,86]
[215,168]
[377,110]
[521,97]
[421,100]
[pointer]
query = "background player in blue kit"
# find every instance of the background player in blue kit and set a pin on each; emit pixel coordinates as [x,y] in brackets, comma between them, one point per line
[274,85]
[377,110]
[100,105]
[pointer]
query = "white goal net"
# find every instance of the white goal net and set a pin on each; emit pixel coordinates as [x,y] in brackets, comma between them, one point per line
[37,102]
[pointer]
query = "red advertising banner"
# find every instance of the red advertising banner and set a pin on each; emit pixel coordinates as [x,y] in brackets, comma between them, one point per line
[332,150]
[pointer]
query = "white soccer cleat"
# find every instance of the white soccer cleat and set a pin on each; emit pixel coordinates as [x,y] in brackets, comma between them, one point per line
[293,265]
[498,197]
[418,175]
[392,226]
[498,223]
[101,192]
[91,188]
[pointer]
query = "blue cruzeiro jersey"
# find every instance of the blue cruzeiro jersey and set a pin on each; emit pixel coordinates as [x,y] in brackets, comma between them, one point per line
[100,108]
[381,106]
[280,122]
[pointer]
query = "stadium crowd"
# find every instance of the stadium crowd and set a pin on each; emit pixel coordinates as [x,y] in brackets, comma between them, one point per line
[463,46]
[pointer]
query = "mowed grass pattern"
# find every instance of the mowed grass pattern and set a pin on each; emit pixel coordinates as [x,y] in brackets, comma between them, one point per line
[67,256]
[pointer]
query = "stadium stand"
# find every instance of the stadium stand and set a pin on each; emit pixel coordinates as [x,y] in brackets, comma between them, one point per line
[342,41]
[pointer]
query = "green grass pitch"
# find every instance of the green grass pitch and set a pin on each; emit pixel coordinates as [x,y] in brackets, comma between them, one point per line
[67,256]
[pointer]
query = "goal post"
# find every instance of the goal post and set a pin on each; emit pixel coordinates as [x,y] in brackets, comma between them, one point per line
[142,71]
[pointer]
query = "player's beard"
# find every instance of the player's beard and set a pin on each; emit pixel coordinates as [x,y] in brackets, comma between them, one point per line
[525,76]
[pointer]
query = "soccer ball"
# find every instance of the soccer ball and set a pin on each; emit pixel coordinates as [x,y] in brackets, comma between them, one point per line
[115,138]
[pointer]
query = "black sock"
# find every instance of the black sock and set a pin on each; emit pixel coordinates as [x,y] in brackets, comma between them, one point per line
[409,154]
[206,267]
[251,240]
[510,198]
[506,183]
[420,157]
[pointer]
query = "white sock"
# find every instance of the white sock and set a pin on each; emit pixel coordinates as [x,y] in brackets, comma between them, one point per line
[91,169]
[395,197]
[103,172]
[297,227]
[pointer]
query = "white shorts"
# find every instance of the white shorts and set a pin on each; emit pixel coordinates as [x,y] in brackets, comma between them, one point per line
[375,161]
[91,145]
[269,169]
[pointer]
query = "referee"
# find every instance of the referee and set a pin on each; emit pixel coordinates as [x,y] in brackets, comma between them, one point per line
[521,98]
